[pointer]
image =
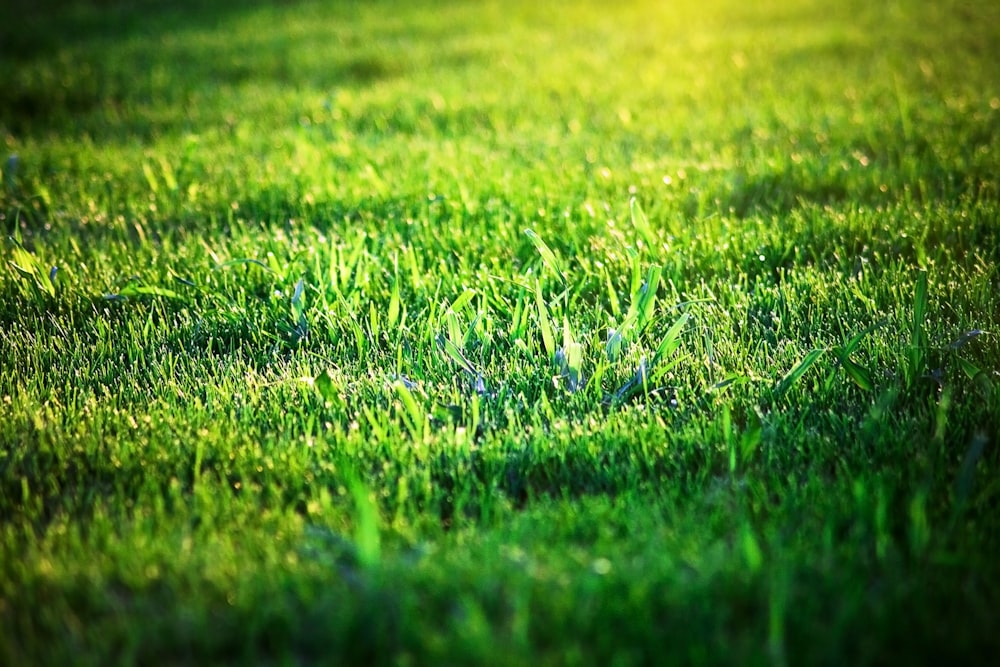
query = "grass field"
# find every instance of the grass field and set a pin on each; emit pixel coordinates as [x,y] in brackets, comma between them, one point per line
[499,333]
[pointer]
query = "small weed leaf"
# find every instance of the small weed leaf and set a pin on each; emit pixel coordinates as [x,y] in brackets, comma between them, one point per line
[639,382]
[326,387]
[852,344]
[858,374]
[151,290]
[572,354]
[641,308]
[798,371]
[970,369]
[569,359]
[980,378]
[454,329]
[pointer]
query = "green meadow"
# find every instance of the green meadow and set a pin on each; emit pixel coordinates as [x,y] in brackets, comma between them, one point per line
[499,333]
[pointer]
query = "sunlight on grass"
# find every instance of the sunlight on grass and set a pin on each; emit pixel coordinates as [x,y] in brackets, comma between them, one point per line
[465,333]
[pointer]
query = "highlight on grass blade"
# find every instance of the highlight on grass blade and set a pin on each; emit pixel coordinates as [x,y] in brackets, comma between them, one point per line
[965,338]
[134,289]
[29,267]
[798,371]
[298,309]
[548,257]
[455,354]
[392,314]
[671,340]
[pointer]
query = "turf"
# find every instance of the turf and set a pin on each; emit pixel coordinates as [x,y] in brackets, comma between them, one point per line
[499,333]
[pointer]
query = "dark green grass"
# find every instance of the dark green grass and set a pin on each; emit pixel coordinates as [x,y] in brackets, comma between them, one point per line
[469,333]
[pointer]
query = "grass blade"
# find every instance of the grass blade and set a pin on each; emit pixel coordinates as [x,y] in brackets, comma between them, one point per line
[671,340]
[858,373]
[641,223]
[798,371]
[647,297]
[915,357]
[548,257]
[548,338]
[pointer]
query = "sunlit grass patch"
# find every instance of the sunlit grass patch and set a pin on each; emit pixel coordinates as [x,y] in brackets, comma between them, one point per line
[475,333]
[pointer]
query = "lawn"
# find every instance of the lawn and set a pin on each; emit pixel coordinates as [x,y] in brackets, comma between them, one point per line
[520,333]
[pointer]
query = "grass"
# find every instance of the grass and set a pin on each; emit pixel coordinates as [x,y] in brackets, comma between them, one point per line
[469,333]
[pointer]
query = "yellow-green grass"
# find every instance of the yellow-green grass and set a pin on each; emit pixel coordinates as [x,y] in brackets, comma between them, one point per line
[499,333]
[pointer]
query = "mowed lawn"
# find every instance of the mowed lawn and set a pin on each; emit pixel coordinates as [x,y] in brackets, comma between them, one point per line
[468,332]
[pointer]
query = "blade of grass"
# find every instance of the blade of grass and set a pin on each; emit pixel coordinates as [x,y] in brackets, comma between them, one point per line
[918,337]
[798,371]
[548,257]
[548,338]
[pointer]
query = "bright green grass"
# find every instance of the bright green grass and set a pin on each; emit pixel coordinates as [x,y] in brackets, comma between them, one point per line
[499,333]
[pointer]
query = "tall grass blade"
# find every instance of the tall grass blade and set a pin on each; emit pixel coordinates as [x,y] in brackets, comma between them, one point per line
[548,337]
[412,414]
[548,257]
[918,336]
[647,297]
[641,223]
[671,340]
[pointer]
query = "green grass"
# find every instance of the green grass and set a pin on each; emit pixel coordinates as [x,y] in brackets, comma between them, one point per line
[499,333]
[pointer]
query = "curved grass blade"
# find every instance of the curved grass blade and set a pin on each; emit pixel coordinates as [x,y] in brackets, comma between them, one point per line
[548,257]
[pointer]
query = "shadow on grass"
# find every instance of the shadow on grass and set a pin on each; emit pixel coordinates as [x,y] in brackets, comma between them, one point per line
[113,70]
[32,28]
